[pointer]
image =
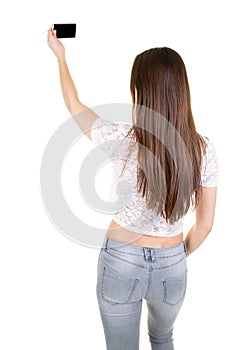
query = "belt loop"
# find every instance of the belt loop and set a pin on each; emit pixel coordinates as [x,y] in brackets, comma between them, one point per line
[144,252]
[106,243]
[185,248]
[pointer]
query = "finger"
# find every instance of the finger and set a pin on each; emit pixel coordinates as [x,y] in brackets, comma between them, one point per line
[49,33]
[49,36]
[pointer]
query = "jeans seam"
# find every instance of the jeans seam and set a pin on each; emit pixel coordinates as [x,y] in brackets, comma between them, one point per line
[120,251]
[157,257]
[170,256]
[117,257]
[177,262]
[149,281]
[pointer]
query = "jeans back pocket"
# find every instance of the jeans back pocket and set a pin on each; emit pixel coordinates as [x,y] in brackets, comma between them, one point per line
[116,288]
[175,289]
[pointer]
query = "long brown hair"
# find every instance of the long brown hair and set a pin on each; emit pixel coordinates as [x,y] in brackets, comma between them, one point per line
[169,147]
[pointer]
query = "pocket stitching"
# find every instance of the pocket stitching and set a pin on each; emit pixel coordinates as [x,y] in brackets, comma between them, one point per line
[119,258]
[111,301]
[173,264]
[165,300]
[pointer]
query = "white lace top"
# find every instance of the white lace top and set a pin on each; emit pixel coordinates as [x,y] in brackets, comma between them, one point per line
[131,212]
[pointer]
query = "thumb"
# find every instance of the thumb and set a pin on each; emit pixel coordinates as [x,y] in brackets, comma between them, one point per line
[55,33]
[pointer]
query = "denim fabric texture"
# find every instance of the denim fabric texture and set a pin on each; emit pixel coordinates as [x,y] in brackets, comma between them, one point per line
[127,274]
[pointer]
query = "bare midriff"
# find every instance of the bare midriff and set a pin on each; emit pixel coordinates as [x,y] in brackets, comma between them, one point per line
[118,233]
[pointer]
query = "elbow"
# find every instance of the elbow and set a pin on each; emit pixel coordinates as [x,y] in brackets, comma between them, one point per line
[204,229]
[208,230]
[67,104]
[74,106]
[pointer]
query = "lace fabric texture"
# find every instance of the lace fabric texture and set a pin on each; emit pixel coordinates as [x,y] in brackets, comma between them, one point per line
[132,213]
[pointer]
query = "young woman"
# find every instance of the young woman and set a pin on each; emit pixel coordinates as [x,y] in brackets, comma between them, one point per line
[169,168]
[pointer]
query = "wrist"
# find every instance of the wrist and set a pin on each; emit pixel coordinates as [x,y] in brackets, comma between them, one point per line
[61,57]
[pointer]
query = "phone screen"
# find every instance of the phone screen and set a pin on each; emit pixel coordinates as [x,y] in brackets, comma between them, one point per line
[66,30]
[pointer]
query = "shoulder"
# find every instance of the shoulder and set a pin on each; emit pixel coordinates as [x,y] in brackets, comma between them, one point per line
[109,129]
[209,165]
[209,149]
[109,134]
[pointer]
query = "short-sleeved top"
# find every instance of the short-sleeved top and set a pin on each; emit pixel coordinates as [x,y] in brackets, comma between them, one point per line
[132,213]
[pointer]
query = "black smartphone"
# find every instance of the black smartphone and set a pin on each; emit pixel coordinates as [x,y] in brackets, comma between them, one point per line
[66,30]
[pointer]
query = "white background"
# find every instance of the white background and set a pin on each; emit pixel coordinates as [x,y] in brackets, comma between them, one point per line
[47,291]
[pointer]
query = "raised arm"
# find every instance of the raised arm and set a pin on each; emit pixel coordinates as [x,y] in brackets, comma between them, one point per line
[204,219]
[69,92]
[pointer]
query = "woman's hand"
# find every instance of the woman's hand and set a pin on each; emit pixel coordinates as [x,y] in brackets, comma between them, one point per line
[55,45]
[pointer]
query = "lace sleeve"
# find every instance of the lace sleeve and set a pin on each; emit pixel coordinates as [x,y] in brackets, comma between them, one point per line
[107,134]
[209,168]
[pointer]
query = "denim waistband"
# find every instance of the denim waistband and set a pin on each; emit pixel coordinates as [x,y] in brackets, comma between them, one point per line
[110,243]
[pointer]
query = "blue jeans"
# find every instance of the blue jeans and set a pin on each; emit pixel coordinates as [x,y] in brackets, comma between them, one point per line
[127,274]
